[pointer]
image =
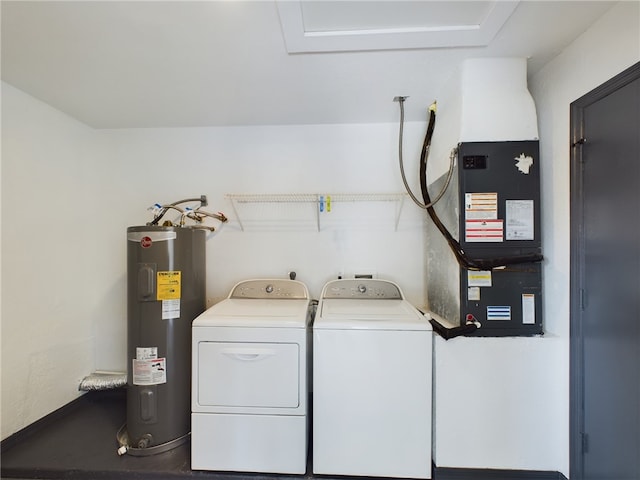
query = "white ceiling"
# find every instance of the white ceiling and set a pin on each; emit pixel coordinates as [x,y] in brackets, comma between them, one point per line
[124,64]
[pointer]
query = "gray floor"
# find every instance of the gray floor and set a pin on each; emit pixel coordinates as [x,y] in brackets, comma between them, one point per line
[80,443]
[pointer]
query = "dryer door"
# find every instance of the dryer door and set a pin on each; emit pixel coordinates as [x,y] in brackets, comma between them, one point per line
[255,375]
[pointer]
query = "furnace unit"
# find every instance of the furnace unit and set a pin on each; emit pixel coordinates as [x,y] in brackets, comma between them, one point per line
[492,207]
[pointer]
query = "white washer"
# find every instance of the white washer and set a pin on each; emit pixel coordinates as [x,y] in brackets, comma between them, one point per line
[249,388]
[372,382]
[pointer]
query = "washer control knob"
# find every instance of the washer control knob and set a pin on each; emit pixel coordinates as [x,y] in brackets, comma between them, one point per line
[362,288]
[269,288]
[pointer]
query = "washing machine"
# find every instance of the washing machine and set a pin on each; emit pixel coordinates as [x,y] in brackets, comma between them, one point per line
[372,382]
[250,379]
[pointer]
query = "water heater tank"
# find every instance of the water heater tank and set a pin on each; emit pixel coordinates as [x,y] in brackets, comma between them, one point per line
[165,292]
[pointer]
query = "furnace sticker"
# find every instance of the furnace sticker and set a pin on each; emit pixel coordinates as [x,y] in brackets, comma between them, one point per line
[520,214]
[528,308]
[473,294]
[484,231]
[479,278]
[499,312]
[482,206]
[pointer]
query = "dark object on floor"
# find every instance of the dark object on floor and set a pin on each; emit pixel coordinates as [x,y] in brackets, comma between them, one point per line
[103,381]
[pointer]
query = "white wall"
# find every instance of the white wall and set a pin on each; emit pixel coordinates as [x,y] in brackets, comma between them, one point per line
[70,192]
[504,403]
[47,258]
[164,165]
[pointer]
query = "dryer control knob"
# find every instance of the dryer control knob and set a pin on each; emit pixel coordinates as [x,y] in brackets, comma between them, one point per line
[362,288]
[269,288]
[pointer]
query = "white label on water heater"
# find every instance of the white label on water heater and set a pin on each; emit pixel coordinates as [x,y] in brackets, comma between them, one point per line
[170,309]
[146,353]
[149,372]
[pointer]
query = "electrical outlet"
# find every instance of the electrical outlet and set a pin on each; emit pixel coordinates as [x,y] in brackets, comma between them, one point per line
[361,273]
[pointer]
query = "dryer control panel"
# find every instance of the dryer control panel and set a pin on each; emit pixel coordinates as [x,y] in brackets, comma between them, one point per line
[270,289]
[362,288]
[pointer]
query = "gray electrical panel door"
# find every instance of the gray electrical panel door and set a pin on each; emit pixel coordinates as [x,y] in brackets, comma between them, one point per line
[499,198]
[605,281]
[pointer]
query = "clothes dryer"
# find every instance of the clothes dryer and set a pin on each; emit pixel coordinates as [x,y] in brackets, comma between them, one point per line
[250,374]
[372,382]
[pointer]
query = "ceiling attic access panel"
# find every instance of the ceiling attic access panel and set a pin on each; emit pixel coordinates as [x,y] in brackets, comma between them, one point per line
[317,26]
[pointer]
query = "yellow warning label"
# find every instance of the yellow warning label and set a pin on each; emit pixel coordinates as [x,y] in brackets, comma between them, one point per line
[169,285]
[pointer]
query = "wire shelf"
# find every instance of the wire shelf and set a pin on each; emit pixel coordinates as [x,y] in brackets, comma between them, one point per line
[313,207]
[314,197]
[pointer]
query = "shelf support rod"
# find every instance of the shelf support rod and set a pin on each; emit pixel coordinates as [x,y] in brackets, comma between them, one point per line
[235,211]
[399,211]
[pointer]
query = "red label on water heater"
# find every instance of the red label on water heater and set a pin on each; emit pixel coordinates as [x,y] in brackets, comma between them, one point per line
[145,242]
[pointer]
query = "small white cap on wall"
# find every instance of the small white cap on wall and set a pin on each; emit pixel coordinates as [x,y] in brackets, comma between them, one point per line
[496,103]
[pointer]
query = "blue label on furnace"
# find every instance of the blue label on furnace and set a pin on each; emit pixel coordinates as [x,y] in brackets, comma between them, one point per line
[498,313]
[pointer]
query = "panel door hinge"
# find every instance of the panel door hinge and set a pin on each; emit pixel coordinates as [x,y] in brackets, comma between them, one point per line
[585,442]
[580,141]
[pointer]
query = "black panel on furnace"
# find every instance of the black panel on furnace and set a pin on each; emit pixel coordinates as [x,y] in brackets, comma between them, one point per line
[474,162]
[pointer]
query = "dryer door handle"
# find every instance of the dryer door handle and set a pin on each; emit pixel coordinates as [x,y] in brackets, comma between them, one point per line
[249,354]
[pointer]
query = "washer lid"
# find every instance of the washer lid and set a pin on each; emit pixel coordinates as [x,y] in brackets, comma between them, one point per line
[252,312]
[364,314]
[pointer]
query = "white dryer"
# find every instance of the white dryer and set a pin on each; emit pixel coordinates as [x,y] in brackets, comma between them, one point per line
[250,374]
[372,382]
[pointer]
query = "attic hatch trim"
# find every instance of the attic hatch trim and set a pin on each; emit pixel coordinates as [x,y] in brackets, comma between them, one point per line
[298,40]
